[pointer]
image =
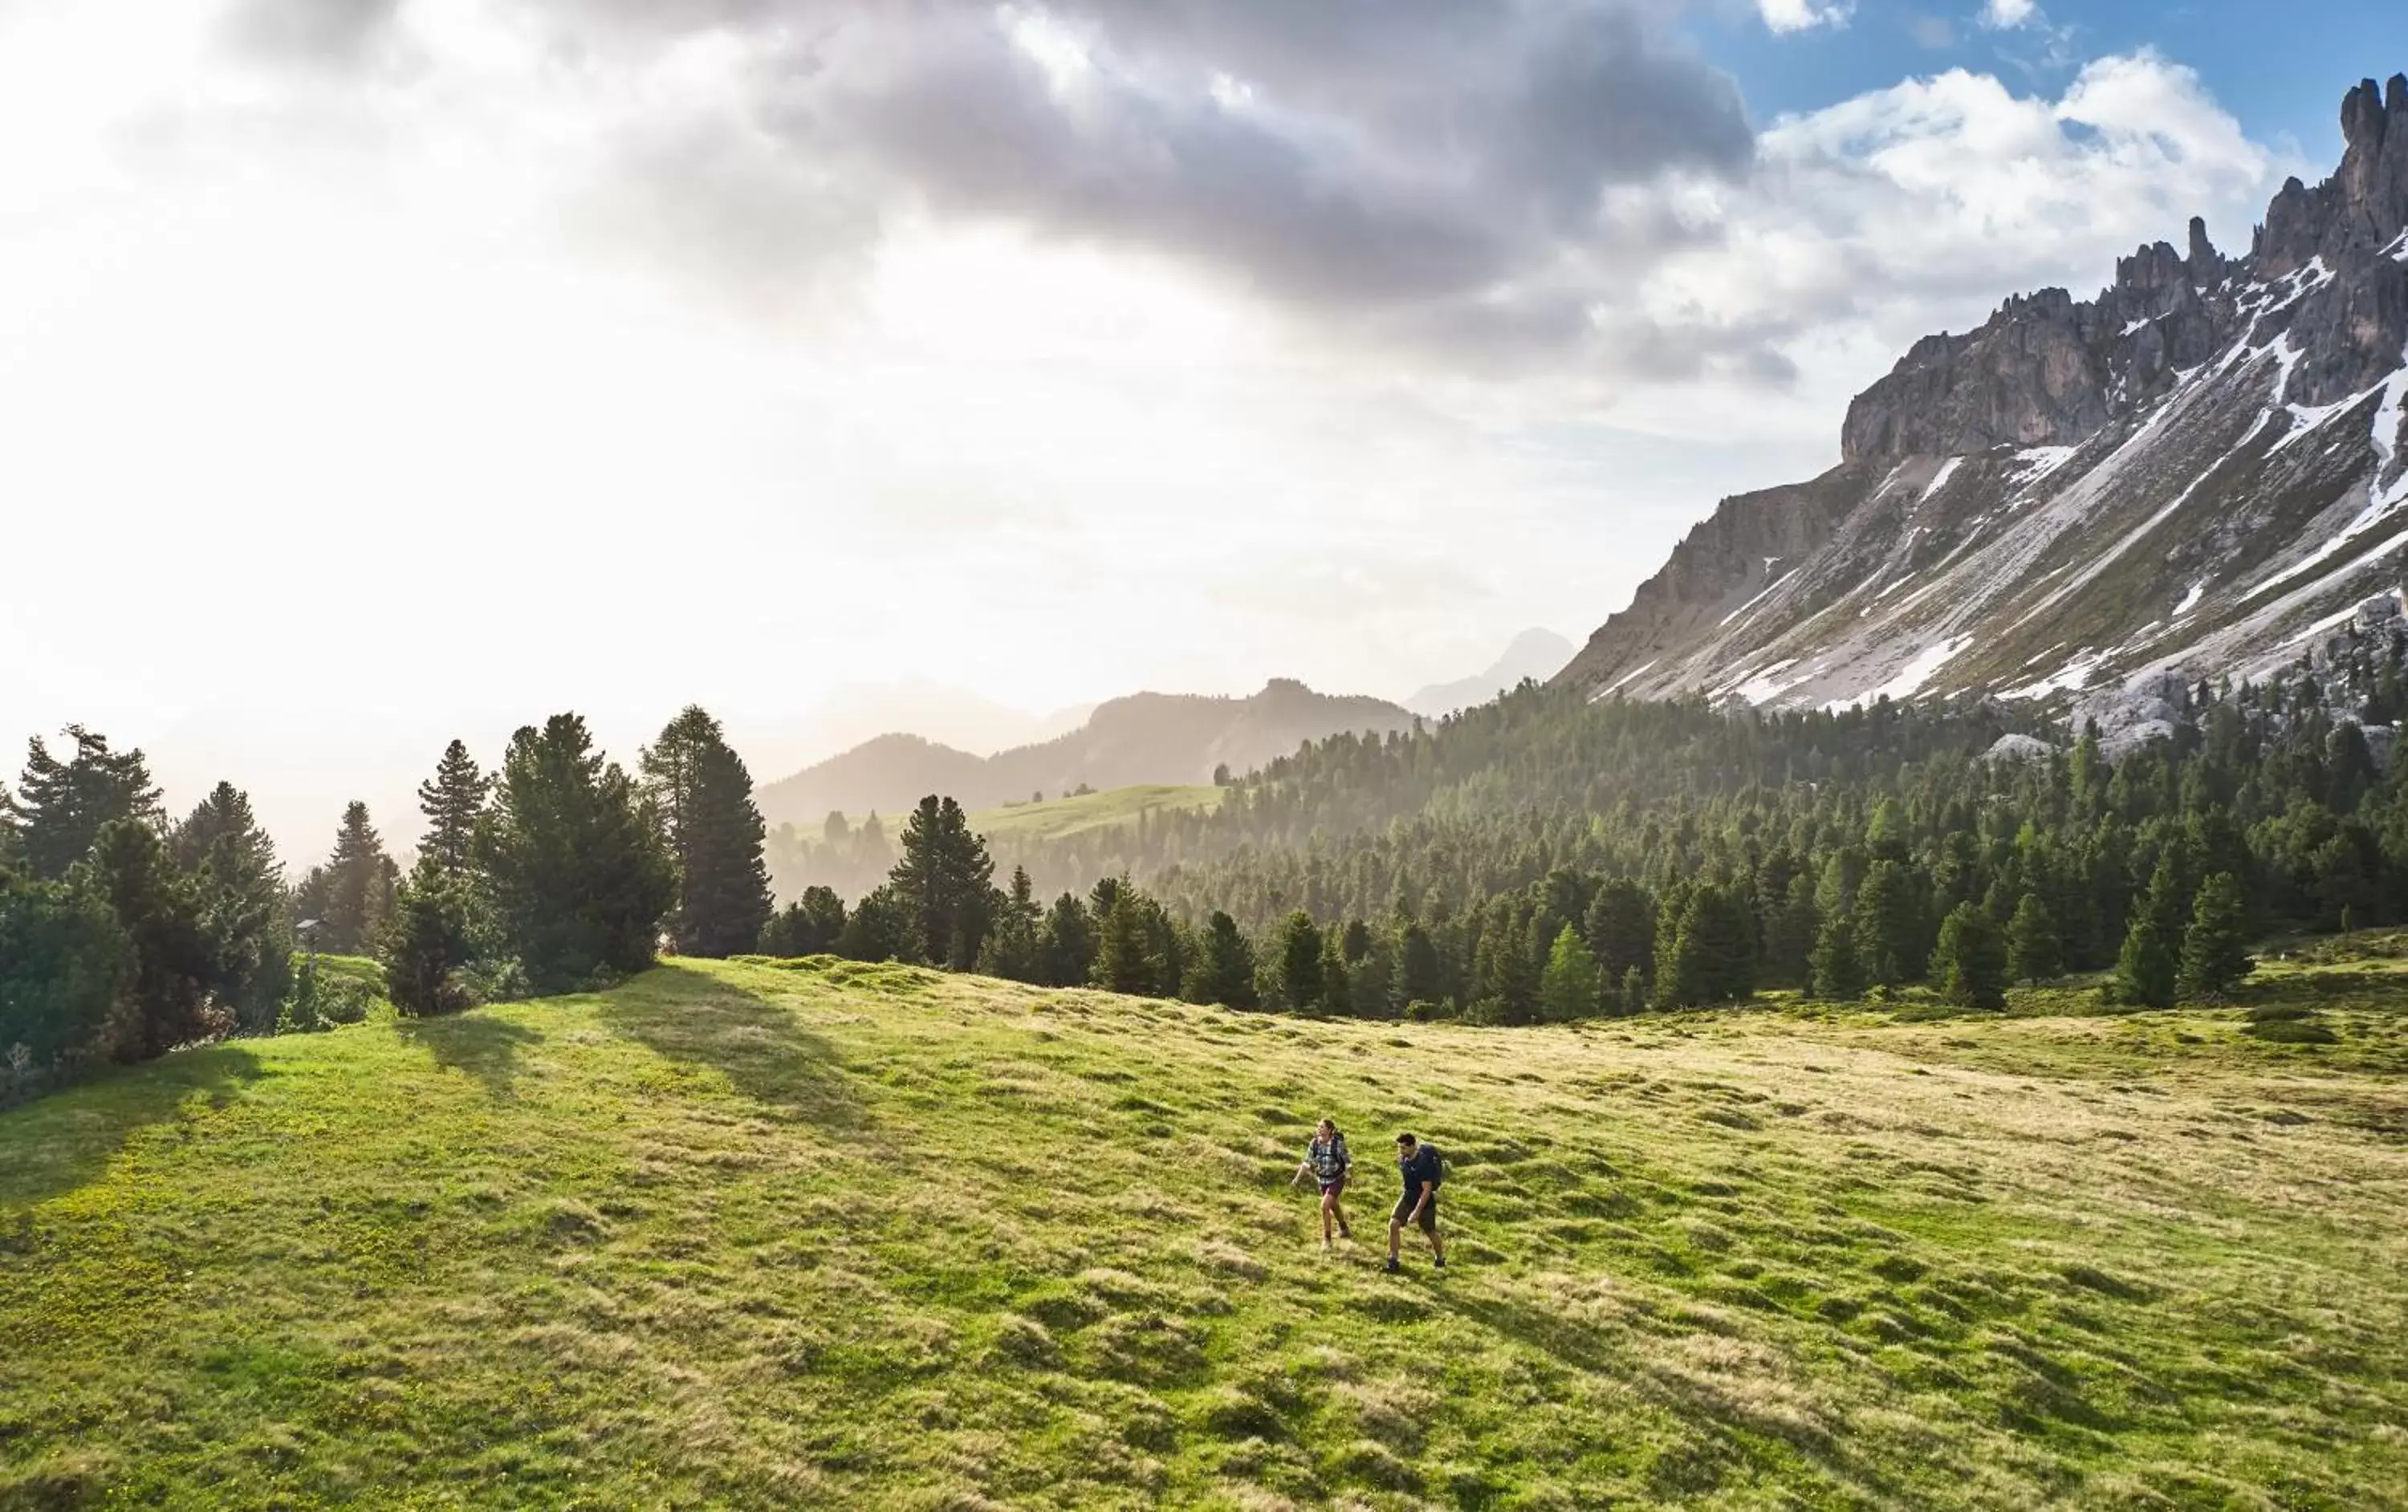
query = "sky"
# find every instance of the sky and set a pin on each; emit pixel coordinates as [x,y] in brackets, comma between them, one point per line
[382,370]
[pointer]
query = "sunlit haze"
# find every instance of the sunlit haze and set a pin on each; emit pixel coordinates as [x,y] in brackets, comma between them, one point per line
[441,364]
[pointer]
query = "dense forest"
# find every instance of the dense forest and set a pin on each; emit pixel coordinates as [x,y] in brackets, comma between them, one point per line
[1539,857]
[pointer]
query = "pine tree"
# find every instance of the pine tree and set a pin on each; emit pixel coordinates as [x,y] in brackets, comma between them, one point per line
[1067,949]
[61,807]
[947,880]
[1571,986]
[1125,960]
[63,965]
[158,911]
[1620,925]
[809,926]
[1336,979]
[1224,968]
[350,895]
[2032,954]
[1012,951]
[1296,965]
[428,947]
[2147,971]
[1417,972]
[1634,992]
[1713,955]
[704,796]
[1838,974]
[1970,964]
[241,889]
[2215,954]
[452,801]
[580,880]
[1888,924]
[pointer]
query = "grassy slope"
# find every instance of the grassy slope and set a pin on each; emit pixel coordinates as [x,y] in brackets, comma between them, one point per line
[1058,817]
[743,1236]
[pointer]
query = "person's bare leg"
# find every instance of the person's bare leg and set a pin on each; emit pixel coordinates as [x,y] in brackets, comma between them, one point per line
[1396,1236]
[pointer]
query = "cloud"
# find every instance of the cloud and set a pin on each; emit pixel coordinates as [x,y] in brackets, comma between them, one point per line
[328,32]
[1805,15]
[1922,205]
[2005,15]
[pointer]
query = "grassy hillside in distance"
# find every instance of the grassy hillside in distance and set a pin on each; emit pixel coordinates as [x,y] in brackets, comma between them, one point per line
[828,1234]
[1057,818]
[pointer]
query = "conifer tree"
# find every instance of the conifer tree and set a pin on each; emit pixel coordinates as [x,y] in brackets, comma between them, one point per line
[1571,986]
[2147,970]
[1126,959]
[350,894]
[1067,949]
[1886,924]
[158,912]
[2215,955]
[1634,992]
[2032,954]
[809,926]
[1620,925]
[704,796]
[452,801]
[1223,969]
[1713,957]
[1296,965]
[1336,979]
[947,880]
[429,947]
[580,880]
[1417,972]
[1838,974]
[1012,948]
[61,807]
[241,889]
[1970,964]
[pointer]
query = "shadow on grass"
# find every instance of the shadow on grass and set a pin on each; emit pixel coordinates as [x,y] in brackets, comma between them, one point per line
[760,1045]
[481,1046]
[60,1143]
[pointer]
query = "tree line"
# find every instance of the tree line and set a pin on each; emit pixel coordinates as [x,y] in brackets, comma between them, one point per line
[123,933]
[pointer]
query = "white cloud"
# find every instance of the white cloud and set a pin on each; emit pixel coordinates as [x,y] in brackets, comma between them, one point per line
[1805,15]
[2004,15]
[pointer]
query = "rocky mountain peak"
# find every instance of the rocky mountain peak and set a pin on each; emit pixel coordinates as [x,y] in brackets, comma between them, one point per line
[2199,468]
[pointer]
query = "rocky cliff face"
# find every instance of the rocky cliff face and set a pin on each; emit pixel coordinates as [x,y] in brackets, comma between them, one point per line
[2197,469]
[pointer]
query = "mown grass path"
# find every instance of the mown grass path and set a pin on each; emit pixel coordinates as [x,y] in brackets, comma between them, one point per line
[744,1236]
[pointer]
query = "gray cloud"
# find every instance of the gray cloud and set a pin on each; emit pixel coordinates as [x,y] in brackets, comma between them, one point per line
[1472,177]
[328,32]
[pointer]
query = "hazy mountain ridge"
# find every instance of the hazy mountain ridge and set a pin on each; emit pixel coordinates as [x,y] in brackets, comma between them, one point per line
[1537,653]
[2200,469]
[1142,739]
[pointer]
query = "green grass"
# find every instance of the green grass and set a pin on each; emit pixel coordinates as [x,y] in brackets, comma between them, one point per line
[1056,817]
[839,1236]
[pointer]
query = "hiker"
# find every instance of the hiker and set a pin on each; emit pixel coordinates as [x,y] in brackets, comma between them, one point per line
[1327,1159]
[1419,1166]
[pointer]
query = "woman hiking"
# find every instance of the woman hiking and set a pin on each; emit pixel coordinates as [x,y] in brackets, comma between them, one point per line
[1327,1160]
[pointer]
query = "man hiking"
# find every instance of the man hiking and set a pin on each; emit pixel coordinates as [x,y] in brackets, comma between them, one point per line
[1419,1166]
[1326,1159]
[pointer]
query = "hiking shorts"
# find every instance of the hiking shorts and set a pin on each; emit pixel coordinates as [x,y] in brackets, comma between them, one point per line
[1404,1213]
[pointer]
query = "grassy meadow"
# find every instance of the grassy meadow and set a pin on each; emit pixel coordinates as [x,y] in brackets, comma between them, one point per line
[1058,817]
[824,1235]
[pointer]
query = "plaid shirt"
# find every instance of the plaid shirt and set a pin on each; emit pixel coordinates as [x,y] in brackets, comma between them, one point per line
[1329,1161]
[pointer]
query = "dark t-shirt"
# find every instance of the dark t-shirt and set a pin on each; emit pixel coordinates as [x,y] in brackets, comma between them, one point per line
[1419,1166]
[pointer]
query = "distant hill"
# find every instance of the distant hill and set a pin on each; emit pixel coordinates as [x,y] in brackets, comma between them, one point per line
[1057,818]
[1537,654]
[1168,738]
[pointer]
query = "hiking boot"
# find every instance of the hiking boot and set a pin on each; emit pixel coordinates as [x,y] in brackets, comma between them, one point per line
[1392,1267]
[1439,1260]
[1345,1232]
